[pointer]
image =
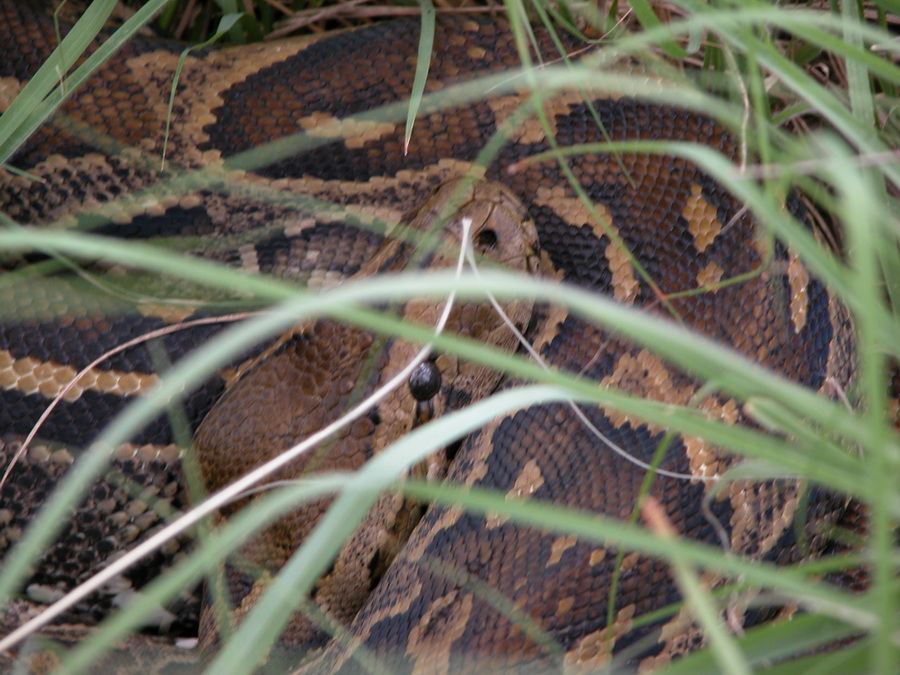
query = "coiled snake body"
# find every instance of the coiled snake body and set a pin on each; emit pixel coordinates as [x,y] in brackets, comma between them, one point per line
[657,229]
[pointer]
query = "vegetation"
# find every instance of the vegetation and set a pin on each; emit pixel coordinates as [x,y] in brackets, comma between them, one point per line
[811,91]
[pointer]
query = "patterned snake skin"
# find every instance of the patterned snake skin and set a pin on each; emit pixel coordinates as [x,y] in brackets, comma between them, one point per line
[412,591]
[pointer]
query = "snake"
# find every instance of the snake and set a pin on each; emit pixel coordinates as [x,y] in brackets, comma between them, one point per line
[436,589]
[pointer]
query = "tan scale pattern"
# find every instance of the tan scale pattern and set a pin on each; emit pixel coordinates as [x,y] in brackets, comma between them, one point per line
[708,461]
[798,278]
[124,514]
[532,130]
[31,376]
[710,275]
[594,650]
[432,639]
[559,546]
[202,86]
[647,376]
[9,89]
[528,481]
[702,220]
[624,280]
[597,556]
[354,133]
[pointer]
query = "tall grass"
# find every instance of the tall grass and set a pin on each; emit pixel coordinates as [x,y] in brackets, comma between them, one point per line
[811,91]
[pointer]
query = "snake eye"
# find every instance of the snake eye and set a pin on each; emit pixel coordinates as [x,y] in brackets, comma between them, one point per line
[486,240]
[425,381]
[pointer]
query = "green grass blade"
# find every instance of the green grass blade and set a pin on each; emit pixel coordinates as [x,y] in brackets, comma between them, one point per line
[423,61]
[38,105]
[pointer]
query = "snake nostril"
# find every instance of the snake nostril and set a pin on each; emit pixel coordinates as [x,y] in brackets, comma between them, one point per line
[486,240]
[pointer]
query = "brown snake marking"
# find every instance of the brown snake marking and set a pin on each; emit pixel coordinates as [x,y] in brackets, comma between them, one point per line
[312,375]
[424,614]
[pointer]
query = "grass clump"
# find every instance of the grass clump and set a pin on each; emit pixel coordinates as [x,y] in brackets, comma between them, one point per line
[810,91]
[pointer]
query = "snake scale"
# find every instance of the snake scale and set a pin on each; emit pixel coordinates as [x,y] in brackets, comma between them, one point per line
[412,591]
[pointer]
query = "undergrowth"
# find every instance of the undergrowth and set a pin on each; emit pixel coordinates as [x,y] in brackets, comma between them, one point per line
[811,92]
